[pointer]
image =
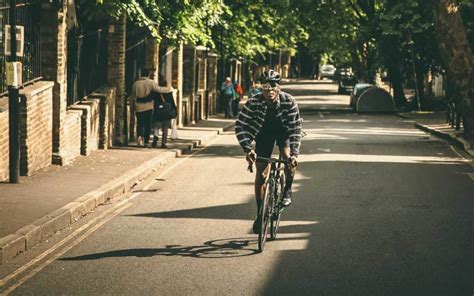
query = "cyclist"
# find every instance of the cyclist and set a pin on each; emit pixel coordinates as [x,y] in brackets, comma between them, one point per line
[270,117]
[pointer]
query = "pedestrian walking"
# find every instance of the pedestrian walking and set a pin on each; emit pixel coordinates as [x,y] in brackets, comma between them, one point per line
[238,95]
[164,110]
[254,90]
[227,95]
[142,99]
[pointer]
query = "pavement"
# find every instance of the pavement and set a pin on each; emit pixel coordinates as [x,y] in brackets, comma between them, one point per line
[57,196]
[435,124]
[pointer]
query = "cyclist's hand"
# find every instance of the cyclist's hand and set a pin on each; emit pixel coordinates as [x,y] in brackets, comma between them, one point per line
[251,157]
[292,162]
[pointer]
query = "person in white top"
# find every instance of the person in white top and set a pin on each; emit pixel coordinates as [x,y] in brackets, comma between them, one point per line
[143,102]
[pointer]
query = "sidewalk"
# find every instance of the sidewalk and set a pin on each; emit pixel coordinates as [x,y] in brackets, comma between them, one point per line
[435,124]
[57,196]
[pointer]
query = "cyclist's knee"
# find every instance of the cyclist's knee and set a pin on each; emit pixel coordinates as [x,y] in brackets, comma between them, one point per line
[285,152]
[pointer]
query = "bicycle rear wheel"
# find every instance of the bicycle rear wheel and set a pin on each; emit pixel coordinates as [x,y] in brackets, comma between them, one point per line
[265,214]
[278,208]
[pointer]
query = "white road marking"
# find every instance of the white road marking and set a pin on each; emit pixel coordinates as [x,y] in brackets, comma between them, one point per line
[324,149]
[382,158]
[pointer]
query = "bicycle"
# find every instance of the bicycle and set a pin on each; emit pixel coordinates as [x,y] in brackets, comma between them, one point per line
[271,207]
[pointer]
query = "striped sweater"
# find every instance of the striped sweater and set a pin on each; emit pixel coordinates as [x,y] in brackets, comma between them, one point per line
[250,120]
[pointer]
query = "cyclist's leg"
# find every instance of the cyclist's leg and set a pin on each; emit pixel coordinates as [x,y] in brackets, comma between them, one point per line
[263,148]
[284,146]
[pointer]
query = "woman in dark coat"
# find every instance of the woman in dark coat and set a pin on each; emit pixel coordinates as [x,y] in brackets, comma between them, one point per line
[162,120]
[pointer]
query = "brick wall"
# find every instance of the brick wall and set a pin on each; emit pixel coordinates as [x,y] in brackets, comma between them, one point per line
[36,127]
[4,156]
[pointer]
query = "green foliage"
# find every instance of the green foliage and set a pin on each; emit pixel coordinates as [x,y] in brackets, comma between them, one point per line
[144,13]
[251,28]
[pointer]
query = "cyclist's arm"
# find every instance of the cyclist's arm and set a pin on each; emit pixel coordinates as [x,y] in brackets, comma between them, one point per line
[295,128]
[243,130]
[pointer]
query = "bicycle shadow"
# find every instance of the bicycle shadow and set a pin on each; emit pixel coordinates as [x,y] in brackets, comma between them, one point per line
[214,249]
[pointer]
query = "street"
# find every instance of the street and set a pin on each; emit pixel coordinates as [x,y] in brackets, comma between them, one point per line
[379,208]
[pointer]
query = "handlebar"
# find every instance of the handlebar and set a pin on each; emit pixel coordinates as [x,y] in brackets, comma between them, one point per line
[268,160]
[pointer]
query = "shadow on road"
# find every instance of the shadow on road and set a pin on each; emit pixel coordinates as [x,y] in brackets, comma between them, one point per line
[228,212]
[215,249]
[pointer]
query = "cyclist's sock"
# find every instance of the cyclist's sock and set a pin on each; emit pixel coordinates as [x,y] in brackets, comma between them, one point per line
[259,202]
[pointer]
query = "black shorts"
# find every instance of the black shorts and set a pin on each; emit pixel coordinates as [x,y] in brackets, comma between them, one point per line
[264,143]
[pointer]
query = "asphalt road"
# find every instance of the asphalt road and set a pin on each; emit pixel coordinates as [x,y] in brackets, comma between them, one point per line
[380,208]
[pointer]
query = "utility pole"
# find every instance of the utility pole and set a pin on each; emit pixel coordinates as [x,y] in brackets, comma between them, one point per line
[208,103]
[13,103]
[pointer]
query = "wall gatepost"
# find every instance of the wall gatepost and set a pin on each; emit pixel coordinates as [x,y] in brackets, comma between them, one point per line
[177,81]
[116,75]
[54,68]
[189,84]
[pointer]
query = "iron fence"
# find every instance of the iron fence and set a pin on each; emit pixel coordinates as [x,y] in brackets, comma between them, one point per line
[28,16]
[135,57]
[87,63]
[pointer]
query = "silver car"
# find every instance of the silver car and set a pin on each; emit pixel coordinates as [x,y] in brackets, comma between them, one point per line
[327,71]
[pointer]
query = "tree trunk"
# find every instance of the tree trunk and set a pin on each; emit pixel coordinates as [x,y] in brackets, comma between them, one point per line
[420,86]
[358,62]
[389,49]
[457,57]
[395,76]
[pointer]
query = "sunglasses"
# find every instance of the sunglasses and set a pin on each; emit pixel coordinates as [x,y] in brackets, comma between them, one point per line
[270,86]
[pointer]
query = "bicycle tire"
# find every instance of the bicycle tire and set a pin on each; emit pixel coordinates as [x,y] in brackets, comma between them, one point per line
[275,222]
[264,213]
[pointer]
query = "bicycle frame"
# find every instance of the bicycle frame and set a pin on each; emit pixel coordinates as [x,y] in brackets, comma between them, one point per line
[271,208]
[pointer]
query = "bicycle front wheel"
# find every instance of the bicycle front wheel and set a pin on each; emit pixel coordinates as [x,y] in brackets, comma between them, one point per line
[265,214]
[278,208]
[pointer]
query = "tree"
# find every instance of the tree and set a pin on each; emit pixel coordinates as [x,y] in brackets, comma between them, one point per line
[457,57]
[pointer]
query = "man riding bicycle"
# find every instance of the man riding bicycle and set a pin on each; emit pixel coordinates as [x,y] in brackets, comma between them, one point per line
[270,117]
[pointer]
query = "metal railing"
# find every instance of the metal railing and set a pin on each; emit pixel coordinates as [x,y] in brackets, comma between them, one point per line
[87,63]
[134,61]
[28,16]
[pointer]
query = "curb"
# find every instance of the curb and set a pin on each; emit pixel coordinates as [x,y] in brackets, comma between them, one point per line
[450,137]
[42,228]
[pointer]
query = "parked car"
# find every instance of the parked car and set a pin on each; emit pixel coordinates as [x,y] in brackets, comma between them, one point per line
[359,88]
[327,71]
[342,72]
[346,84]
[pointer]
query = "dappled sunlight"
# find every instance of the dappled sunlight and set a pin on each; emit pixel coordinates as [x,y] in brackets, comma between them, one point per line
[367,131]
[381,158]
[291,241]
[333,101]
[343,120]
[323,137]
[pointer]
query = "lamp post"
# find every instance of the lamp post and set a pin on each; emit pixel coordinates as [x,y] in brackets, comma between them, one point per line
[13,103]
[208,101]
